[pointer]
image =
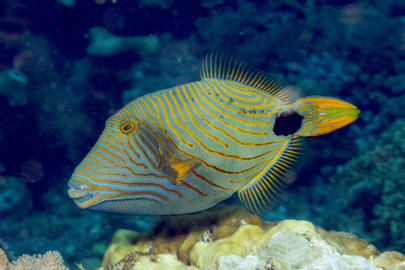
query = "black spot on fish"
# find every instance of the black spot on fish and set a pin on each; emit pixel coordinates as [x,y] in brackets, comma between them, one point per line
[231,100]
[287,123]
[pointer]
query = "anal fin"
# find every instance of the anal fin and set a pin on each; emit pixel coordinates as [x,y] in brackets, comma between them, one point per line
[266,189]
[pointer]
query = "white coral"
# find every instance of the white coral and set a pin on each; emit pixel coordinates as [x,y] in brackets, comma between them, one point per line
[287,250]
[235,262]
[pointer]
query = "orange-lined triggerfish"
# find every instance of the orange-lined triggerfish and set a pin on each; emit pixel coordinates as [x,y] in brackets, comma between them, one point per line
[187,148]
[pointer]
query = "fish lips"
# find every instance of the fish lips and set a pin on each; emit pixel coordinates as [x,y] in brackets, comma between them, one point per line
[78,191]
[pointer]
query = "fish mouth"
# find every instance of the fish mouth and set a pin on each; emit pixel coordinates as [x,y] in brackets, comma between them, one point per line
[77,190]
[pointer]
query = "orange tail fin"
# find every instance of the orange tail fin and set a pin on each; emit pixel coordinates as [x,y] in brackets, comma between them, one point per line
[323,115]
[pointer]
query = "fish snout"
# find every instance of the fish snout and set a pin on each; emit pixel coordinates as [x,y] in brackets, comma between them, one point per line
[77,190]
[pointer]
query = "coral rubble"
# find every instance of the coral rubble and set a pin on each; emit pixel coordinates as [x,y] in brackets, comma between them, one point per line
[232,238]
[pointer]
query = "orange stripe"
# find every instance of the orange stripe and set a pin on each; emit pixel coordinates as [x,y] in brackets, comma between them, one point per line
[150,129]
[226,87]
[176,89]
[110,145]
[133,150]
[191,133]
[216,115]
[267,168]
[98,164]
[144,153]
[223,130]
[148,106]
[104,149]
[194,188]
[116,165]
[152,149]
[129,184]
[247,177]
[212,93]
[135,193]
[150,136]
[83,168]
[208,181]
[169,124]
[111,137]
[203,130]
[220,89]
[175,146]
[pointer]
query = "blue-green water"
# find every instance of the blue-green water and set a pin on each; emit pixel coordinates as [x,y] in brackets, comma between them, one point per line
[65,66]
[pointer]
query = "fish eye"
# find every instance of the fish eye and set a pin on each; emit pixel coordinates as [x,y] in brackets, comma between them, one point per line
[127,127]
[287,123]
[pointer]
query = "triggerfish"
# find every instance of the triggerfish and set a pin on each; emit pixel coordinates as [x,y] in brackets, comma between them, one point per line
[189,147]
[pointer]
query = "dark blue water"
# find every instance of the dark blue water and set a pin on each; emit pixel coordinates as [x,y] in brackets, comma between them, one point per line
[65,66]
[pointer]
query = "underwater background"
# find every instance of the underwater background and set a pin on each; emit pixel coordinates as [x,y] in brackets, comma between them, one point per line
[66,65]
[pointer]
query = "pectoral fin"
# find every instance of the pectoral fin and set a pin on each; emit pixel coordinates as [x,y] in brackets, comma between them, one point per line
[180,168]
[177,169]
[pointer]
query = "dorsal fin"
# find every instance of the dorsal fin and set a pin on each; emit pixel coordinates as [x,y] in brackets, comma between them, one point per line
[266,188]
[225,67]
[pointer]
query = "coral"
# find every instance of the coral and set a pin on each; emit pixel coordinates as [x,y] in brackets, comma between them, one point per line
[3,260]
[51,260]
[177,235]
[232,238]
[390,260]
[143,261]
[103,43]
[288,251]
[348,243]
[236,262]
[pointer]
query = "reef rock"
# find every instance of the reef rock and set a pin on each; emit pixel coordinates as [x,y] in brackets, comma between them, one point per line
[4,262]
[231,238]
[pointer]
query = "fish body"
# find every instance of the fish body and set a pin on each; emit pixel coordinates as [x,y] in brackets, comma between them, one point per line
[187,148]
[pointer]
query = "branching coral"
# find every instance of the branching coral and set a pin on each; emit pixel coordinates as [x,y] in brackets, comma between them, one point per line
[51,260]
